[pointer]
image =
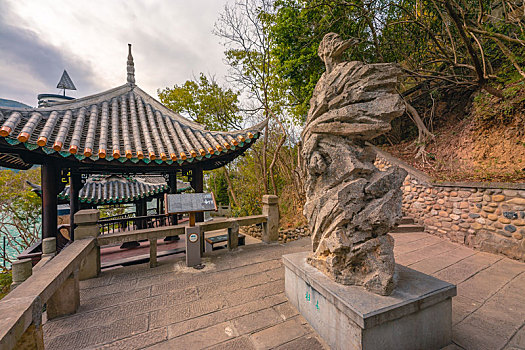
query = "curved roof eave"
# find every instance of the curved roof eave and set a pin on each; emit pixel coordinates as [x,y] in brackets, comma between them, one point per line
[124,124]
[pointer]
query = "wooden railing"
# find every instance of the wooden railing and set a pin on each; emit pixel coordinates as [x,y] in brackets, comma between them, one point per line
[152,234]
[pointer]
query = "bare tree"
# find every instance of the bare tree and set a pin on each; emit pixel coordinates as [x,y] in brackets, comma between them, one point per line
[244,27]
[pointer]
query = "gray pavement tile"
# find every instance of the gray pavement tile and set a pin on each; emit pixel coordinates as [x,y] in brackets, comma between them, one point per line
[518,340]
[286,310]
[406,238]
[109,300]
[452,347]
[414,256]
[242,282]
[254,293]
[89,337]
[91,293]
[276,274]
[467,267]
[240,343]
[207,320]
[118,311]
[181,280]
[277,335]
[137,341]
[417,245]
[432,264]
[165,316]
[488,281]
[200,339]
[489,327]
[307,342]
[462,307]
[256,321]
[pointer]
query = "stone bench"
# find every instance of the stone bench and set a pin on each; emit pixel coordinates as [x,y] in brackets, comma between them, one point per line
[212,241]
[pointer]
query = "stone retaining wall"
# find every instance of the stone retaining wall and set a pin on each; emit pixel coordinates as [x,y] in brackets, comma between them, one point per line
[285,235]
[485,216]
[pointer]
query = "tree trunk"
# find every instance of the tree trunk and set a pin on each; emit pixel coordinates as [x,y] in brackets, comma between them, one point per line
[423,133]
[230,187]
[272,164]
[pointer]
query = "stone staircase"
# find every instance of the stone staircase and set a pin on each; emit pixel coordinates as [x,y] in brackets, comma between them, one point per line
[407,225]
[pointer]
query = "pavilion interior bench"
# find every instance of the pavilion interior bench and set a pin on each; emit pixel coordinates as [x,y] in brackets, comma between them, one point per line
[214,243]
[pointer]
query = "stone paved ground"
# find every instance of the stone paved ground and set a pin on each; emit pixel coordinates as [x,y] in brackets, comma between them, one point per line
[237,301]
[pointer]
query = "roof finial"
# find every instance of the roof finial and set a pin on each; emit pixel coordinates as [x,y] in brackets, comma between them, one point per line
[66,83]
[131,67]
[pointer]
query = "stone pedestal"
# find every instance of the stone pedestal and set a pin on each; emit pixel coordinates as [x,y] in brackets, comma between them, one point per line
[417,315]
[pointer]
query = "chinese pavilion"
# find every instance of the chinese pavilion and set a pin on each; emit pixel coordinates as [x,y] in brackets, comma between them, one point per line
[120,131]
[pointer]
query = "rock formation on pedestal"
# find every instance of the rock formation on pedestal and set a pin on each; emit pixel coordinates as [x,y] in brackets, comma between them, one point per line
[351,205]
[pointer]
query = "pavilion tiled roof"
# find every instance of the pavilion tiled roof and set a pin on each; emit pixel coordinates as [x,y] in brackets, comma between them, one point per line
[123,124]
[118,189]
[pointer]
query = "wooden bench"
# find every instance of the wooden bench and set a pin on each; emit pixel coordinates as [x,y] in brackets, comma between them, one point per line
[212,241]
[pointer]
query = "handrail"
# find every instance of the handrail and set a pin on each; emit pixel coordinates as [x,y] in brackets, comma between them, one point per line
[119,216]
[23,306]
[106,220]
[128,215]
[175,230]
[133,223]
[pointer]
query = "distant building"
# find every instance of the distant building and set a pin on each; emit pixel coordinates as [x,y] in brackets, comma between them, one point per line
[13,104]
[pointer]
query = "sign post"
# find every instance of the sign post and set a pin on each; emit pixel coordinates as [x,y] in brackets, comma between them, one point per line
[191,203]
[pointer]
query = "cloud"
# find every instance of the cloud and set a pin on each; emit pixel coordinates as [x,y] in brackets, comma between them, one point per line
[172,42]
[28,65]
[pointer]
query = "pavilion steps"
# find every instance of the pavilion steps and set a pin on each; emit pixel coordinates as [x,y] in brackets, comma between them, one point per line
[140,259]
[407,225]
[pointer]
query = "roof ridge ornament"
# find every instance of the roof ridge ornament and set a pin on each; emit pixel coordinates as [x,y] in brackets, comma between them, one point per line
[66,83]
[130,67]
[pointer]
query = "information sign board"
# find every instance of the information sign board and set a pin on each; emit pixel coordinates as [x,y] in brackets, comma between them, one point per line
[190,203]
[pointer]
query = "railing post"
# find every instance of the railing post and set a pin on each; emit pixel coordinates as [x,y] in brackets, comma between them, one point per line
[49,246]
[21,270]
[153,252]
[271,211]
[66,299]
[233,236]
[87,226]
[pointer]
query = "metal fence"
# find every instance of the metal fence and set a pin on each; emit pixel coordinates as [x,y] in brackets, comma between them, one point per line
[123,222]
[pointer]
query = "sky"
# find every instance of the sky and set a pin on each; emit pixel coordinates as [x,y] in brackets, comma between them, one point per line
[172,41]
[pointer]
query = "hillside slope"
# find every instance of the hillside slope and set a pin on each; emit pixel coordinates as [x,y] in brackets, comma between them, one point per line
[488,144]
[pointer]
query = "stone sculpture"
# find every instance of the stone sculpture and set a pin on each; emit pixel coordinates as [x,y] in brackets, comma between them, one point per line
[351,205]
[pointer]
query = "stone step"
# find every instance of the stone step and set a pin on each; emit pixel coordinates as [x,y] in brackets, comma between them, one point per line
[408,228]
[406,220]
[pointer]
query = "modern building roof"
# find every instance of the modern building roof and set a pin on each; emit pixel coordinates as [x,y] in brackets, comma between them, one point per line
[114,189]
[123,126]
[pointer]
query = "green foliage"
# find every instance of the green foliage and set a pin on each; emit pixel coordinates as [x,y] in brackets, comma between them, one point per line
[298,28]
[5,283]
[111,210]
[205,101]
[419,35]
[20,208]
[216,182]
[246,181]
[489,112]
